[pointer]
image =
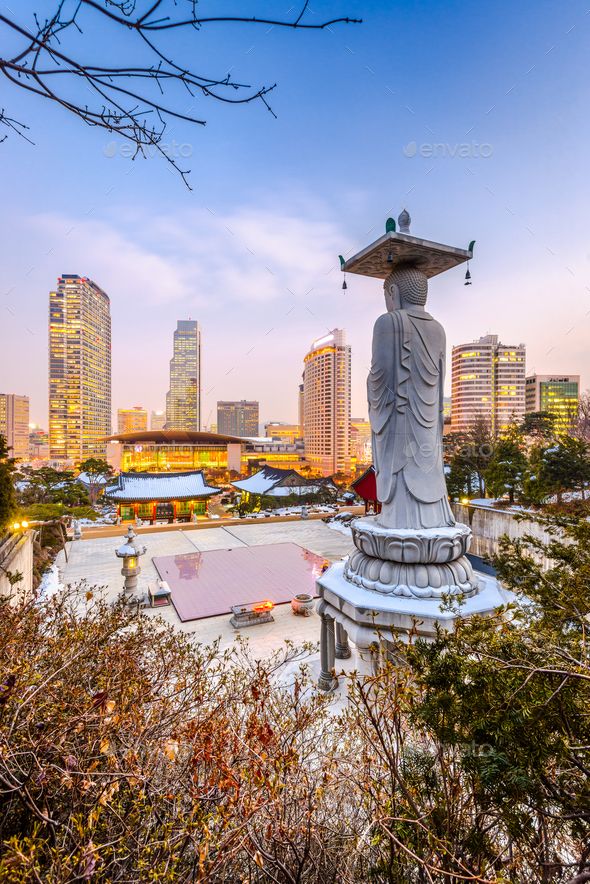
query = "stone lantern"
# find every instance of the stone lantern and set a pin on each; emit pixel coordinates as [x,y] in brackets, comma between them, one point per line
[129,552]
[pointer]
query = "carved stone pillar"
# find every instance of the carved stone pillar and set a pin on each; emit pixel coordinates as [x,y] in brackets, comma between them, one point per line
[342,651]
[327,680]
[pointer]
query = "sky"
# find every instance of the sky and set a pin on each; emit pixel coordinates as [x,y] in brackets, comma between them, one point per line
[473,116]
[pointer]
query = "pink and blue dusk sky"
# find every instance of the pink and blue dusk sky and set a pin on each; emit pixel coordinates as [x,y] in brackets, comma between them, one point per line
[473,116]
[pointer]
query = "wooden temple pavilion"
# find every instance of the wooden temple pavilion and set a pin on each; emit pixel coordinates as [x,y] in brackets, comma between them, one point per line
[366,488]
[158,497]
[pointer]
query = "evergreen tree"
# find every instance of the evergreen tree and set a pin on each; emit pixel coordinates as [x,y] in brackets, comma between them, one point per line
[7,494]
[97,471]
[564,466]
[507,468]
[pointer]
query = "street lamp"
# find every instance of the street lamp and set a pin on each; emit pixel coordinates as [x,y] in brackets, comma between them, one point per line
[130,552]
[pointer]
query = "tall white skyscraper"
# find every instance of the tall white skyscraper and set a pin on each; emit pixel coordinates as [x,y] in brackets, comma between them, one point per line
[79,369]
[326,403]
[183,400]
[488,381]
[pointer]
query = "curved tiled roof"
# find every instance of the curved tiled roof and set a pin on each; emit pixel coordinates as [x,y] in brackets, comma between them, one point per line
[134,487]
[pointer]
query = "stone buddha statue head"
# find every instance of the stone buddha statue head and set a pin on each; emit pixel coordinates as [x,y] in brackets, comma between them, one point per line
[406,288]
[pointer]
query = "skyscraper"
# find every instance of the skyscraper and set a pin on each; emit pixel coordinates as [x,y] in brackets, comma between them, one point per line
[488,381]
[326,403]
[300,409]
[183,400]
[130,419]
[79,369]
[157,420]
[238,418]
[556,394]
[14,424]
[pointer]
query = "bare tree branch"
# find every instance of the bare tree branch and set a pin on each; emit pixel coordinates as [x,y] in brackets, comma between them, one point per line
[141,110]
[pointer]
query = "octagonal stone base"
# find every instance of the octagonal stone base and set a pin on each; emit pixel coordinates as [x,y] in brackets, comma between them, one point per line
[372,619]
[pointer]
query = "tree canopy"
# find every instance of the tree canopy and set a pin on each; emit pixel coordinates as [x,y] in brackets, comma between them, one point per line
[131,753]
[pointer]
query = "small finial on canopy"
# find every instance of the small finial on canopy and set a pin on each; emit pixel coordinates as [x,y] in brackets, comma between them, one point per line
[404,221]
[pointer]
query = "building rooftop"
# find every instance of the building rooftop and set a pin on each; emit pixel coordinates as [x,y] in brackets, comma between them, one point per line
[159,486]
[275,482]
[172,437]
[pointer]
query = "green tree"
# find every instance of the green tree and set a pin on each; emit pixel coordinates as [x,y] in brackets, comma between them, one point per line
[562,467]
[471,753]
[96,471]
[507,468]
[468,454]
[538,425]
[48,485]
[7,493]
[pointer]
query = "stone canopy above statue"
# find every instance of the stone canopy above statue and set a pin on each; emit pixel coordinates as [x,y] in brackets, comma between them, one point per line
[392,249]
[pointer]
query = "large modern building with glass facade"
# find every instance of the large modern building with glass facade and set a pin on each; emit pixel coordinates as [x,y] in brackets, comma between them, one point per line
[556,394]
[130,419]
[162,451]
[14,424]
[326,404]
[79,369]
[488,382]
[183,400]
[239,418]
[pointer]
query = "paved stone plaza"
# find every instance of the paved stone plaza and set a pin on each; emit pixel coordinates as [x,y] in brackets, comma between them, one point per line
[95,561]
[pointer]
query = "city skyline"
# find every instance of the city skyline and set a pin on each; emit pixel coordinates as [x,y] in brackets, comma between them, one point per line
[271,218]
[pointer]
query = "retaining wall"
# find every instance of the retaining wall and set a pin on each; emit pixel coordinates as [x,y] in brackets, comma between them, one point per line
[489,525]
[16,556]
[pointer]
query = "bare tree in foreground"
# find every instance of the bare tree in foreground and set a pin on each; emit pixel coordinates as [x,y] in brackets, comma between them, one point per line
[52,58]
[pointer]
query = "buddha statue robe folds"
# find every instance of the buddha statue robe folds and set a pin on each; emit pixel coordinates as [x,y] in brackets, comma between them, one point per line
[405,393]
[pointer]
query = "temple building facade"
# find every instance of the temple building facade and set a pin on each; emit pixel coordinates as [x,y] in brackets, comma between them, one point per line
[157,497]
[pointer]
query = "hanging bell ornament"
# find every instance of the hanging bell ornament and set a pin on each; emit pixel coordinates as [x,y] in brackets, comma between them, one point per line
[467,276]
[344,286]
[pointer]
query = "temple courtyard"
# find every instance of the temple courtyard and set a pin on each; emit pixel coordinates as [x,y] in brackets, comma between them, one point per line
[94,560]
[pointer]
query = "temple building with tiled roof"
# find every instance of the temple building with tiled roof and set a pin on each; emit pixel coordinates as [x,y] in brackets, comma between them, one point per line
[155,497]
[274,482]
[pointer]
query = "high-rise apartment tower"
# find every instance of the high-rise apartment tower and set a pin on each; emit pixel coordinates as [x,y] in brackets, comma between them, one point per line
[326,404]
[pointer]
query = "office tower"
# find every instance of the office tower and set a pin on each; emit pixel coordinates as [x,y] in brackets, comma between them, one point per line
[131,419]
[360,440]
[38,443]
[157,420]
[183,400]
[79,369]
[280,432]
[556,394]
[300,410]
[238,418]
[326,394]
[488,381]
[14,424]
